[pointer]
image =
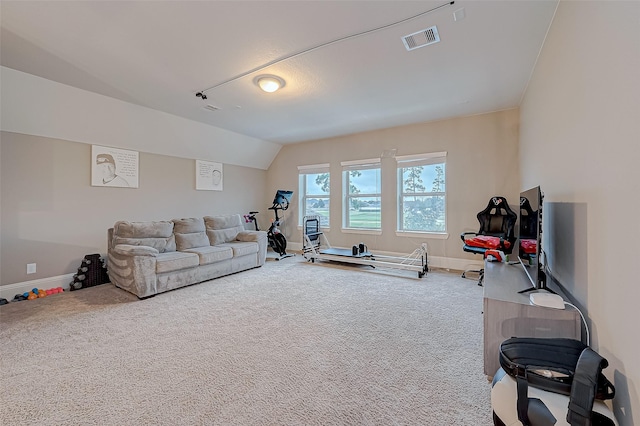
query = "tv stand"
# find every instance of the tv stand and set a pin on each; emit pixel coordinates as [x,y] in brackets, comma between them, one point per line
[509,313]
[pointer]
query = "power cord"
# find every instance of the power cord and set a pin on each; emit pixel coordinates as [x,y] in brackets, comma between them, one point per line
[548,272]
[583,320]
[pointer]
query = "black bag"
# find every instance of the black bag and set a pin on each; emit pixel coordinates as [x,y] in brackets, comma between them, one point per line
[552,364]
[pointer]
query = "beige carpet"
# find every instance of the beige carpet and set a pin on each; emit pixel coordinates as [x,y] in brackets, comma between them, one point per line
[291,343]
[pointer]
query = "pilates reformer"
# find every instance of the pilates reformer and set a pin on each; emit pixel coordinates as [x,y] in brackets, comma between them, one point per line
[316,246]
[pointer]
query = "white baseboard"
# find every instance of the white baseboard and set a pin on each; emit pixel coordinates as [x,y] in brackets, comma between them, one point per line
[294,246]
[9,291]
[447,263]
[455,264]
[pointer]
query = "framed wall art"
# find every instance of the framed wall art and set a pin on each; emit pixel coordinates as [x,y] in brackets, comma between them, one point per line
[114,167]
[209,176]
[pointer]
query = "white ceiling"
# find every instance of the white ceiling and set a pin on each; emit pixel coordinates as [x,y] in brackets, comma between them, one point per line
[160,54]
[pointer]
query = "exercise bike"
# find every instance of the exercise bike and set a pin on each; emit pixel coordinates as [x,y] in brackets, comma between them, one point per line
[277,240]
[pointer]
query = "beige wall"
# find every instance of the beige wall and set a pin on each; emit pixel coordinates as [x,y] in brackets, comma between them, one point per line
[482,161]
[72,114]
[51,216]
[580,127]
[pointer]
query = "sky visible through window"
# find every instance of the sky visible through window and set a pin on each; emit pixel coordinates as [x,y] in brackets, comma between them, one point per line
[312,187]
[428,175]
[366,183]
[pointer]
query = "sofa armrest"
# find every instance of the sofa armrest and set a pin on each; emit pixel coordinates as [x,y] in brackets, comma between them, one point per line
[259,237]
[133,268]
[249,236]
[131,250]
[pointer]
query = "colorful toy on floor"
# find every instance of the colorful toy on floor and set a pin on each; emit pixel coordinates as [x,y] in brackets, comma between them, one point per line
[37,293]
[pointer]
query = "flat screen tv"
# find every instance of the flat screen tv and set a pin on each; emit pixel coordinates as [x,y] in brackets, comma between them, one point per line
[530,238]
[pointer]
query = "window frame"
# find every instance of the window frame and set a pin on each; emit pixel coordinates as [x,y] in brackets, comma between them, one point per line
[303,172]
[359,165]
[405,162]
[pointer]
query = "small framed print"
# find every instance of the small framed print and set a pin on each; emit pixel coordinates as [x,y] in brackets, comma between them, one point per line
[209,176]
[114,167]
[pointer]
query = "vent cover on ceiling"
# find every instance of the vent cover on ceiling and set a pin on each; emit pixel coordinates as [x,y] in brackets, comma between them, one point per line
[421,38]
[211,107]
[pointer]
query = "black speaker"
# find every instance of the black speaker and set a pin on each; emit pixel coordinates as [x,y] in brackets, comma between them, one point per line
[354,250]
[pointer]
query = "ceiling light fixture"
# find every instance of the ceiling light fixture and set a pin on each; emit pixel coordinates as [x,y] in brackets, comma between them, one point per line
[202,95]
[269,83]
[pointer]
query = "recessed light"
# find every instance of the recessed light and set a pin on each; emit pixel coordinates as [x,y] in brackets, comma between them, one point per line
[269,83]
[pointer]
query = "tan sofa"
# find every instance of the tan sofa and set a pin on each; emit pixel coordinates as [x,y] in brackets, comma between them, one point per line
[147,258]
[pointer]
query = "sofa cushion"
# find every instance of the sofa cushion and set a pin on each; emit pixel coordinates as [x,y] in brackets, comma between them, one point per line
[242,248]
[161,244]
[190,233]
[188,225]
[223,222]
[222,229]
[187,241]
[220,236]
[173,261]
[211,254]
[254,236]
[158,235]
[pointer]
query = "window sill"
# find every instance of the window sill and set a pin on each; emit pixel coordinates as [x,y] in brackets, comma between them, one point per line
[362,231]
[431,235]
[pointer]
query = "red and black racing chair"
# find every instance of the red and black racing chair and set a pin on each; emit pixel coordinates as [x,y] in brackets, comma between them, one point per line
[497,223]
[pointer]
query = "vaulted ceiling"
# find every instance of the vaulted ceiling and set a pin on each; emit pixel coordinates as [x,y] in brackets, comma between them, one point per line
[345,65]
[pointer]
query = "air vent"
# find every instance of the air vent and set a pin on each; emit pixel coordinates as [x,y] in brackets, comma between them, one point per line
[421,38]
[211,107]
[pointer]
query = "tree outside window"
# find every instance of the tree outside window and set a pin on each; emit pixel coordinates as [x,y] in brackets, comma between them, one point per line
[422,206]
[315,189]
[363,200]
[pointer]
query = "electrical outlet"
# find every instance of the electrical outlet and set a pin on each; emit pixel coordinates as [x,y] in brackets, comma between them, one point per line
[31,268]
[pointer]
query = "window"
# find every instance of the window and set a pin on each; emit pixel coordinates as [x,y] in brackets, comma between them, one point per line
[422,193]
[361,189]
[315,190]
